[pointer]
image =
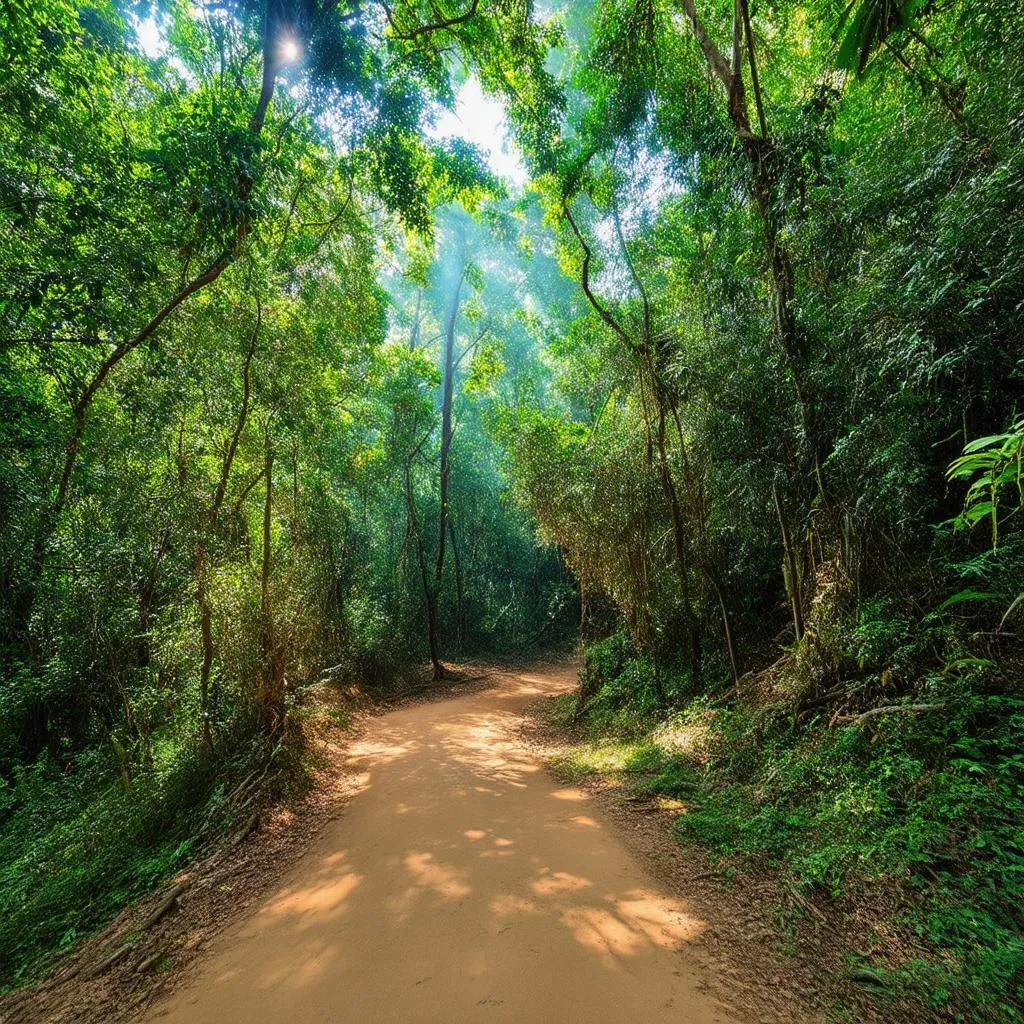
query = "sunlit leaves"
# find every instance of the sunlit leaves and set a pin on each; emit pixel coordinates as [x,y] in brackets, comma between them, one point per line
[484,371]
[994,465]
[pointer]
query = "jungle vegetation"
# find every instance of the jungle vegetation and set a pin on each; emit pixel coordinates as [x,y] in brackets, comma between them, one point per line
[295,388]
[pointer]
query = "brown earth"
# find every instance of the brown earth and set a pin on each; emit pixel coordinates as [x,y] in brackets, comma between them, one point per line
[462,884]
[439,872]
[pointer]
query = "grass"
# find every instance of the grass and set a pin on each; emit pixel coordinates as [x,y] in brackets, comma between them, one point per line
[80,842]
[926,809]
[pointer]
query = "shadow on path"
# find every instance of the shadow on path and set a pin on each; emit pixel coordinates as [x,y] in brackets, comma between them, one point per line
[461,884]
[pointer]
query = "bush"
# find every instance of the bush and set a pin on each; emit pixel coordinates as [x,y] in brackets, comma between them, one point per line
[623,687]
[927,806]
[79,842]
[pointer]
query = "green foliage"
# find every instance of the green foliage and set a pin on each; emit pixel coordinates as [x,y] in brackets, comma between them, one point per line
[802,302]
[291,385]
[994,465]
[625,687]
[926,809]
[866,25]
[211,410]
[77,845]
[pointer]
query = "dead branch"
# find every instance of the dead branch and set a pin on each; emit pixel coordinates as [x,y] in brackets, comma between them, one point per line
[164,906]
[103,965]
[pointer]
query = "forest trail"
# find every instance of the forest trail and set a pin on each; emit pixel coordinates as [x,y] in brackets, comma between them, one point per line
[461,884]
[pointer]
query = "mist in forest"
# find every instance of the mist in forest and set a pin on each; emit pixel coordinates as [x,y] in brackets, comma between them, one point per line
[346,346]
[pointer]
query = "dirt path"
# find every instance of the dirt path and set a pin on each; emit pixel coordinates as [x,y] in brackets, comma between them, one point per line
[461,884]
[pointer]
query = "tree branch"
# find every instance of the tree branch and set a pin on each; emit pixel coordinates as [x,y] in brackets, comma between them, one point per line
[243,413]
[588,255]
[890,709]
[434,26]
[714,56]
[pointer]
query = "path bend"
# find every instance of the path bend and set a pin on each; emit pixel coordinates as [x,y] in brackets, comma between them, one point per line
[461,884]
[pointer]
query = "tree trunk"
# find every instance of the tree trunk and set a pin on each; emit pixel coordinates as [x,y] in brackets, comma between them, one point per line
[762,165]
[730,644]
[705,559]
[759,153]
[681,549]
[460,597]
[429,596]
[272,697]
[206,632]
[207,704]
[646,357]
[792,577]
[447,398]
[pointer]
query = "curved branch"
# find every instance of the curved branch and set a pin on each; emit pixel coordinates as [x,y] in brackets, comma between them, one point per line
[85,399]
[648,333]
[588,256]
[431,27]
[890,709]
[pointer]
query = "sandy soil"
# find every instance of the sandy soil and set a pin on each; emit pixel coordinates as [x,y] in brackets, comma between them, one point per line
[462,883]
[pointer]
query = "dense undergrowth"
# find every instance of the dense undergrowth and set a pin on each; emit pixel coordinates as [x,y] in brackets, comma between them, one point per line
[922,809]
[81,841]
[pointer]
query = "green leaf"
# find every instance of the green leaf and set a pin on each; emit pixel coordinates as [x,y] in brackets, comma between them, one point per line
[984,442]
[968,595]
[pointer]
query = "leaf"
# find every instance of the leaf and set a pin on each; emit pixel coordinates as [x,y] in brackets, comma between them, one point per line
[969,663]
[968,595]
[983,442]
[868,24]
[968,465]
[974,514]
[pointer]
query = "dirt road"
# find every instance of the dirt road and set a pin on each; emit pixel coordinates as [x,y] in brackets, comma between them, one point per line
[462,883]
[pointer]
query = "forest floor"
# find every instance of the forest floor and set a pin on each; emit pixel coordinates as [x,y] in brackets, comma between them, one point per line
[438,871]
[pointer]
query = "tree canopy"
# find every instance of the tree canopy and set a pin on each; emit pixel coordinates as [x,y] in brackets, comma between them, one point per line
[298,388]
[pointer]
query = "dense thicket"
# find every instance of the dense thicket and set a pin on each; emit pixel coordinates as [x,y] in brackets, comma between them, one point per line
[747,349]
[221,475]
[798,228]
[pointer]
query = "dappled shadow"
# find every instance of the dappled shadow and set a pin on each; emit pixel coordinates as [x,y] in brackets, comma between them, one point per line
[630,923]
[568,794]
[462,883]
[381,749]
[480,742]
